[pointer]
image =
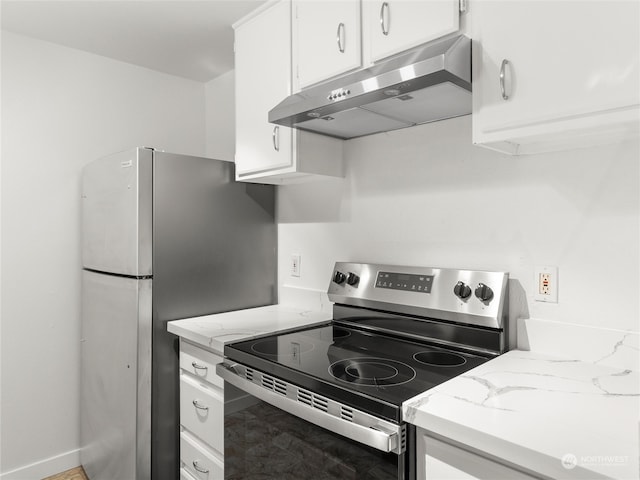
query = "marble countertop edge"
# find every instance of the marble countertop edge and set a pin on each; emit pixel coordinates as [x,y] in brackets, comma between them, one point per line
[214,331]
[536,411]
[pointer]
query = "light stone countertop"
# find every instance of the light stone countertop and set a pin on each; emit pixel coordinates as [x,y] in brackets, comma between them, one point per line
[213,331]
[562,418]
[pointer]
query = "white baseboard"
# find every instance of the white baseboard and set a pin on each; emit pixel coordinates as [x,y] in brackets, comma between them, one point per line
[44,468]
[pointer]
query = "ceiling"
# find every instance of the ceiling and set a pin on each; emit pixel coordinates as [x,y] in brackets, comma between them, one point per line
[191,39]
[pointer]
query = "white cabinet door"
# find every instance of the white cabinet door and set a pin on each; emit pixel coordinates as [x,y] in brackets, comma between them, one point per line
[263,79]
[266,153]
[567,65]
[327,35]
[397,25]
[438,460]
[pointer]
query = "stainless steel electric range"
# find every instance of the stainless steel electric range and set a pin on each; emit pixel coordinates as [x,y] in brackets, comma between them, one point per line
[325,401]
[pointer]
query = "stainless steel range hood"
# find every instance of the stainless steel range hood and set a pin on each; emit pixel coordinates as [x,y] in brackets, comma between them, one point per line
[426,85]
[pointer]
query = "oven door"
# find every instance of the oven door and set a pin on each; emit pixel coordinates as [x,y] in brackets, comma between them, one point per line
[282,431]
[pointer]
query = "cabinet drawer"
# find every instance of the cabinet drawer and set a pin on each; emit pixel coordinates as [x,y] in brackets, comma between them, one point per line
[202,412]
[200,363]
[199,463]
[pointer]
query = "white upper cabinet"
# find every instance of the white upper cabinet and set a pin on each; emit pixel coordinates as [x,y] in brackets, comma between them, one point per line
[394,26]
[326,38]
[263,78]
[268,153]
[553,75]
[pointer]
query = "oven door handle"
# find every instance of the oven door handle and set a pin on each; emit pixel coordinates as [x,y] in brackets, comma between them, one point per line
[384,436]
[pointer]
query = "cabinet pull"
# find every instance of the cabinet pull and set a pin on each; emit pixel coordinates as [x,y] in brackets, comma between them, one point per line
[198,366]
[275,137]
[340,37]
[199,406]
[384,25]
[198,468]
[503,89]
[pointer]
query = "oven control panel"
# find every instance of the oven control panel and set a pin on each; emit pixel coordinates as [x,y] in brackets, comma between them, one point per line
[405,281]
[463,296]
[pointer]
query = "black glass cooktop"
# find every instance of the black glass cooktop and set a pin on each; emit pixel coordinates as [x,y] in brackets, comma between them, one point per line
[375,373]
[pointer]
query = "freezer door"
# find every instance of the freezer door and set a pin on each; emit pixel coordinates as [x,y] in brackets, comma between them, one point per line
[115,407]
[117,213]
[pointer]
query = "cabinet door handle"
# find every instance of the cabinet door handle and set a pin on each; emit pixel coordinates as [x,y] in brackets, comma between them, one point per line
[198,366]
[340,37]
[503,89]
[384,25]
[275,138]
[198,468]
[199,406]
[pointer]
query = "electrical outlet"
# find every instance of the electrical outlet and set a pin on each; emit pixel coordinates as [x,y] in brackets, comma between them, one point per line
[546,284]
[295,265]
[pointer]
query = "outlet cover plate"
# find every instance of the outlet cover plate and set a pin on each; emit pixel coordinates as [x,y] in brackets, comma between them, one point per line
[295,265]
[548,285]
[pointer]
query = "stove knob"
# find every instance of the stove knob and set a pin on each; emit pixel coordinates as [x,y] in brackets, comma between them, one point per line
[353,279]
[462,290]
[484,293]
[339,277]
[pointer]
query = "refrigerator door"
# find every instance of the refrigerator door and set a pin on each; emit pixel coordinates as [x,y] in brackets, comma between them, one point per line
[117,213]
[115,407]
[214,239]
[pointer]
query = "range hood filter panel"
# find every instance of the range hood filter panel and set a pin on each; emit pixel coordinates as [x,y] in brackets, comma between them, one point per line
[355,122]
[444,100]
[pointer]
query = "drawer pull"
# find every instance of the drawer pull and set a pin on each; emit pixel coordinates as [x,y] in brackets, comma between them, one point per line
[198,468]
[199,367]
[199,406]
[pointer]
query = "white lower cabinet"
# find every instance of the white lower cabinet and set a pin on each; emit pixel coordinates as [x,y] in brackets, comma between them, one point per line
[439,460]
[201,414]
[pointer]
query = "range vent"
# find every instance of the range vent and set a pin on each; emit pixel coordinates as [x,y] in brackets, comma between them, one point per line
[346,413]
[320,403]
[249,374]
[267,382]
[313,400]
[280,387]
[305,397]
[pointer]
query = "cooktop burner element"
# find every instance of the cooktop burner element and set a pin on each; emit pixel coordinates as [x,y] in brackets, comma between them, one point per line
[442,359]
[372,371]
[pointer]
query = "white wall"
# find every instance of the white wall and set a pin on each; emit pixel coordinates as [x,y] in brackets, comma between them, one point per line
[221,117]
[60,109]
[426,196]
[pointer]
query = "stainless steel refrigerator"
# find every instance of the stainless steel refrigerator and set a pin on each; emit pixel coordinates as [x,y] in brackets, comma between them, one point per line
[164,237]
